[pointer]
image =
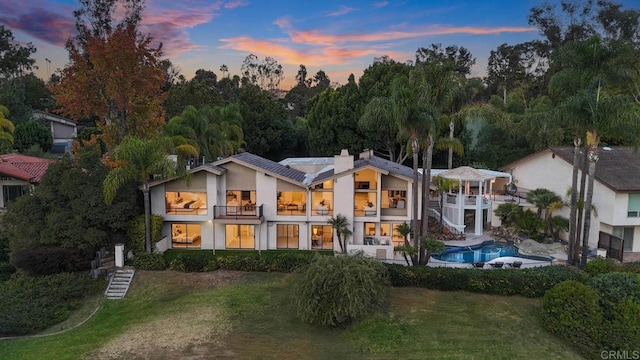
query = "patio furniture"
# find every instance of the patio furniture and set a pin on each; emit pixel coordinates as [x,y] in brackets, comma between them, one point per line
[497,264]
[478,265]
[516,264]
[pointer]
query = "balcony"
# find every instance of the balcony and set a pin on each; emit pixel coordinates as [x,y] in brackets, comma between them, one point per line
[366,211]
[249,213]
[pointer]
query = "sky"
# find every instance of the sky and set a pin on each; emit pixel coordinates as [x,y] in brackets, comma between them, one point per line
[339,37]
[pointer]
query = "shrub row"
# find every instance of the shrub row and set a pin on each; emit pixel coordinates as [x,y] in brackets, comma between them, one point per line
[32,304]
[602,315]
[602,266]
[206,260]
[526,282]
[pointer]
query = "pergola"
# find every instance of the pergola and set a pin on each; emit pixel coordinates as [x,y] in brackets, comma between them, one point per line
[456,203]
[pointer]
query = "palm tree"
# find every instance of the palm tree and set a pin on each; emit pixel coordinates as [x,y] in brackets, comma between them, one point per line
[406,249]
[544,199]
[227,127]
[139,160]
[341,224]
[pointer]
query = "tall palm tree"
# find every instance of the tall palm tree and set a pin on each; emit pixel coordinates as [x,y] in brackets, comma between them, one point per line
[138,160]
[227,127]
[342,227]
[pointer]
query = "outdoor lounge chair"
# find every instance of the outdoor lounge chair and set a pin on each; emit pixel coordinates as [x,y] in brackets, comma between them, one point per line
[497,264]
[516,264]
[478,265]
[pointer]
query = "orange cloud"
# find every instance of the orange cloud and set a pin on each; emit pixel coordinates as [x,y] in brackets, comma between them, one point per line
[288,55]
[315,37]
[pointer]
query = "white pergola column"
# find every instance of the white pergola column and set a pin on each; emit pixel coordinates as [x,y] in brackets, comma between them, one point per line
[460,204]
[478,227]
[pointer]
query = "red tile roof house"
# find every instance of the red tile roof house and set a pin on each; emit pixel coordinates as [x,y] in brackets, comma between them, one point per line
[19,174]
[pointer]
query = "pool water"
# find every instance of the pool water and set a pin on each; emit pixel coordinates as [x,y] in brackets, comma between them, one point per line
[482,253]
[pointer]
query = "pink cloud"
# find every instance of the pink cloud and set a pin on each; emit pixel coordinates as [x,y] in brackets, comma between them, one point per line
[288,55]
[342,11]
[315,37]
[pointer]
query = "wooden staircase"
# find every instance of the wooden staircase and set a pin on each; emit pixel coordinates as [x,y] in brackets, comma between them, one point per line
[119,283]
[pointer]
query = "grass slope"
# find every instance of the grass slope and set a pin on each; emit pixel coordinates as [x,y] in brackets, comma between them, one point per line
[233,315]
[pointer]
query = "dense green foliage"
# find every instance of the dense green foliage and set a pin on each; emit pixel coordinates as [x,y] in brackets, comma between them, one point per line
[571,310]
[67,211]
[525,282]
[149,261]
[47,260]
[606,265]
[335,291]
[32,133]
[136,232]
[615,288]
[32,304]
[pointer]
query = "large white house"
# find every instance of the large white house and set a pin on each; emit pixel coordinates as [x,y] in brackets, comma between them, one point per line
[249,202]
[616,194]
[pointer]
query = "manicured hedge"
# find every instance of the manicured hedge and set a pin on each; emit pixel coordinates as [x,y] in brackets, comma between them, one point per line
[526,282]
[32,304]
[571,311]
[149,261]
[602,266]
[136,232]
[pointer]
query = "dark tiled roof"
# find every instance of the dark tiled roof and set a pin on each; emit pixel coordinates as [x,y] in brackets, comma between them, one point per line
[323,176]
[270,166]
[23,167]
[384,164]
[617,168]
[215,167]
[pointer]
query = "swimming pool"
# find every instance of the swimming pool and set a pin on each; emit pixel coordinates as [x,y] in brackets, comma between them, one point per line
[485,252]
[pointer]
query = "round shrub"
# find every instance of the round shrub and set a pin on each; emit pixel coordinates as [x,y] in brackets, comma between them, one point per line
[149,261]
[571,310]
[614,288]
[335,291]
[624,330]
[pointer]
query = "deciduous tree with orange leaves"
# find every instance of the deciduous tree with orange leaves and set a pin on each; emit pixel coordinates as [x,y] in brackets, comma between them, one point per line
[116,78]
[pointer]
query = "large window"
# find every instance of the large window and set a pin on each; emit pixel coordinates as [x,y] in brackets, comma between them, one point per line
[241,201]
[292,202]
[633,209]
[321,237]
[394,199]
[240,237]
[186,203]
[12,192]
[389,229]
[186,235]
[287,236]
[322,202]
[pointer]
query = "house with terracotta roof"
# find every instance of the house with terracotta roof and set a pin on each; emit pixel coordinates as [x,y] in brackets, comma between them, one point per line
[616,194]
[248,202]
[19,174]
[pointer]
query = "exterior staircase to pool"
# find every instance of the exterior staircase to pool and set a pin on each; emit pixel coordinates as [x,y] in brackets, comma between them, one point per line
[119,284]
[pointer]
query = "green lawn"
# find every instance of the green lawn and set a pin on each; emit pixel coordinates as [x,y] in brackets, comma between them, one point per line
[232,315]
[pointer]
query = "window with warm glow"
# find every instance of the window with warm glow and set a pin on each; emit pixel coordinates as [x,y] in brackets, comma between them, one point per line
[287,236]
[186,203]
[240,236]
[186,235]
[321,237]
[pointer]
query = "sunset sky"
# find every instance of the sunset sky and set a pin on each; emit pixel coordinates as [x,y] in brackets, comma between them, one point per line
[339,37]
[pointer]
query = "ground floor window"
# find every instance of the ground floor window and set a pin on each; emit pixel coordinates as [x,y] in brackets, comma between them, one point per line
[389,229]
[240,236]
[321,237]
[186,235]
[288,236]
[625,233]
[12,192]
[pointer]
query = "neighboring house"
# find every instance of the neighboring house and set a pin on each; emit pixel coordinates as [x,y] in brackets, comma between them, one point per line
[616,194]
[248,202]
[63,130]
[19,174]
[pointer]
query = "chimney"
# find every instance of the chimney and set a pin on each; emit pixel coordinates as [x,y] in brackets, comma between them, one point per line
[366,154]
[342,162]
